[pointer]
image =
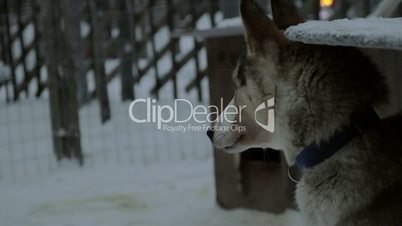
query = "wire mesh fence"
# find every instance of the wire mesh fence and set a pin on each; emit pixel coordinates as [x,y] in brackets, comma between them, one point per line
[26,147]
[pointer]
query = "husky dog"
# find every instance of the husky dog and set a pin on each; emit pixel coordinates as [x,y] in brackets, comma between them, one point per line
[321,93]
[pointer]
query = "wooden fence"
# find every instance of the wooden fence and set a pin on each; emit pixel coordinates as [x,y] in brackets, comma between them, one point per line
[138,22]
[35,34]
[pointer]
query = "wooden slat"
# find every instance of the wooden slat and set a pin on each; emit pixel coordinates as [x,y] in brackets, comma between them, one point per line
[38,56]
[25,83]
[109,77]
[165,79]
[4,79]
[193,84]
[24,24]
[172,47]
[98,60]
[8,49]
[177,66]
[109,49]
[151,63]
[28,49]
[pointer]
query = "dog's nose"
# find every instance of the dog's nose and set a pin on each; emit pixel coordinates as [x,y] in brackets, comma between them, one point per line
[210,134]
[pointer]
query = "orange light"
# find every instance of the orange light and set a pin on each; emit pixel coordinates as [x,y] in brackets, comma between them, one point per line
[326,3]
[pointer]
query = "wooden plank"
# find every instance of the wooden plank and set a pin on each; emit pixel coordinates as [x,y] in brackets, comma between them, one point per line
[98,60]
[22,42]
[153,45]
[70,101]
[9,58]
[197,46]
[109,77]
[114,73]
[41,87]
[210,33]
[4,79]
[30,75]
[165,78]
[73,24]
[127,50]
[24,24]
[172,46]
[39,60]
[151,63]
[20,59]
[132,7]
[62,93]
[111,47]
[212,9]
[196,80]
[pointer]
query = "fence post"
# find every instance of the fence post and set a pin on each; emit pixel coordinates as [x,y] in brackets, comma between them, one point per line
[8,49]
[212,10]
[150,13]
[98,60]
[73,23]
[172,45]
[38,56]
[127,50]
[197,45]
[22,44]
[61,83]
[134,23]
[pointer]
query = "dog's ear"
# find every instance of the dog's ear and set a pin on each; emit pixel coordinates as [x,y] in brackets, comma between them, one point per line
[285,13]
[260,31]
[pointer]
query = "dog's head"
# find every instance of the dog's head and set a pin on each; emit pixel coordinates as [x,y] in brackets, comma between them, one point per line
[290,94]
[256,90]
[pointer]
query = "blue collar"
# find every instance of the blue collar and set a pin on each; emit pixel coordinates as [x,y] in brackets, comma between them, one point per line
[315,153]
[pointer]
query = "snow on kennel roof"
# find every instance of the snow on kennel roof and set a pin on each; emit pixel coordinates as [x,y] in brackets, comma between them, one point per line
[368,32]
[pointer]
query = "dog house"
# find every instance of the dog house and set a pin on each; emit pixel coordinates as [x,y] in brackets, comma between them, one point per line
[257,178]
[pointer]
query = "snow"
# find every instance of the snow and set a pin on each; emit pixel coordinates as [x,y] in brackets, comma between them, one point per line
[232,22]
[167,194]
[369,32]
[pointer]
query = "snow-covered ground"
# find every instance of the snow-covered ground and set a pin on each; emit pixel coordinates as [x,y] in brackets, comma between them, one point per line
[175,194]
